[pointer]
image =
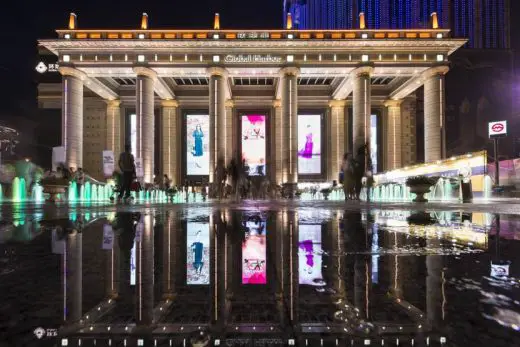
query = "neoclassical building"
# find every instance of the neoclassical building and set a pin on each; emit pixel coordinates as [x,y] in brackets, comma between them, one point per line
[288,102]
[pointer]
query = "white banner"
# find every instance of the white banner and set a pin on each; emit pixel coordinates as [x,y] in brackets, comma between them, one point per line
[108,163]
[139,168]
[108,237]
[58,157]
[497,129]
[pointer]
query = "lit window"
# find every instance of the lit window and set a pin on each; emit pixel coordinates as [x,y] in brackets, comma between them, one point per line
[66,58]
[141,58]
[290,58]
[141,36]
[440,57]
[439,36]
[290,36]
[216,37]
[67,36]
[216,58]
[364,57]
[364,36]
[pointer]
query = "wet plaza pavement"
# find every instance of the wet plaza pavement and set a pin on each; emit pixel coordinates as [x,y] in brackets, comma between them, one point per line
[259,274]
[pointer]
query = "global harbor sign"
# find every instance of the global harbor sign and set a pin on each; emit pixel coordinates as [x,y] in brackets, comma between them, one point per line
[252,58]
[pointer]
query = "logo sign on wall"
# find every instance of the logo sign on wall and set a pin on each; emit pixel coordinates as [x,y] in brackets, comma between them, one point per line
[108,163]
[497,129]
[43,67]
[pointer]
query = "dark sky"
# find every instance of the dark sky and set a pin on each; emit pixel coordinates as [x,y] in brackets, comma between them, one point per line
[24,21]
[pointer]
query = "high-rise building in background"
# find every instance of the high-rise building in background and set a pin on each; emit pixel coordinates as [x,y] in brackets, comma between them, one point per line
[486,23]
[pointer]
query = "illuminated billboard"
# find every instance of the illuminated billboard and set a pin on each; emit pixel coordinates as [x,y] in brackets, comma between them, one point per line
[309,144]
[254,258]
[254,143]
[197,250]
[197,145]
[310,255]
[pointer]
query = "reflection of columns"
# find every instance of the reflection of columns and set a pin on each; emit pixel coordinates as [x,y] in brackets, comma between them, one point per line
[290,124]
[145,271]
[217,271]
[145,119]
[113,267]
[72,115]
[338,265]
[434,109]
[393,153]
[217,116]
[433,284]
[278,142]
[73,277]
[337,138]
[170,251]
[395,281]
[228,133]
[361,107]
[113,135]
[294,279]
[170,135]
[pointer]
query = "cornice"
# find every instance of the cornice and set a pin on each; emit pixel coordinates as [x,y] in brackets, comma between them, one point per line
[169,103]
[70,71]
[144,71]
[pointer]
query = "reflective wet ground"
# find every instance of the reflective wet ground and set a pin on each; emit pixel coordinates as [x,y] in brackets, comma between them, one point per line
[258,276]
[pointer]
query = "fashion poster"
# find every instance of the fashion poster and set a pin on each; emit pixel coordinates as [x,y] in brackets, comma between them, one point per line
[254,259]
[197,145]
[197,250]
[254,143]
[310,255]
[309,144]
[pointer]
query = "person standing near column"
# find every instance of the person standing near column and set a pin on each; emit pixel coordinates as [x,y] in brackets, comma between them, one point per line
[127,167]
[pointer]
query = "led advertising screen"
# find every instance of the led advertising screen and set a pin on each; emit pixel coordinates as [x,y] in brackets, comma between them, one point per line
[132,265]
[310,255]
[309,144]
[197,145]
[133,134]
[197,258]
[254,258]
[373,142]
[254,143]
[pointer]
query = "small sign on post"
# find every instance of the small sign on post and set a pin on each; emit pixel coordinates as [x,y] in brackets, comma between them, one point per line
[497,129]
[139,168]
[108,163]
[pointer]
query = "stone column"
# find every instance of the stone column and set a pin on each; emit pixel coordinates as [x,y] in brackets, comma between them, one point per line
[72,266]
[393,148]
[361,106]
[217,117]
[145,119]
[113,135]
[228,134]
[171,155]
[144,249]
[337,138]
[434,109]
[278,143]
[290,124]
[72,115]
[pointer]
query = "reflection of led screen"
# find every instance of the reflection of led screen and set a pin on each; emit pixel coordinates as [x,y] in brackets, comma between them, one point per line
[309,144]
[253,143]
[254,259]
[197,259]
[132,266]
[133,134]
[197,145]
[373,142]
[309,255]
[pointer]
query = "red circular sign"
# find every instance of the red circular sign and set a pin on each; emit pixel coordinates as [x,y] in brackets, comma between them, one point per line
[497,127]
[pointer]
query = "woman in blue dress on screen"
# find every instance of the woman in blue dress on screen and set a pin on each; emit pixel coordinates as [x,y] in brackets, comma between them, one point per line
[197,136]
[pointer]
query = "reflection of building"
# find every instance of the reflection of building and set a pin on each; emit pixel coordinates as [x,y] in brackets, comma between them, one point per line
[118,83]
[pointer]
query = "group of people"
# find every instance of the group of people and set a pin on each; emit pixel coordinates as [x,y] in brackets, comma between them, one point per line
[356,172]
[235,180]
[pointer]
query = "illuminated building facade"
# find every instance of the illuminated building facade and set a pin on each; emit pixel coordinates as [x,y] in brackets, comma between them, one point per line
[289,102]
[486,23]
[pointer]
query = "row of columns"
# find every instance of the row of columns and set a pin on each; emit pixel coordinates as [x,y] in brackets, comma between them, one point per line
[221,122]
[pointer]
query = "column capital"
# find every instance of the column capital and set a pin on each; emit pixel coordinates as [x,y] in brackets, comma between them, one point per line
[217,71]
[70,71]
[277,103]
[393,103]
[169,103]
[113,103]
[146,72]
[435,71]
[289,70]
[337,103]
[230,103]
[362,70]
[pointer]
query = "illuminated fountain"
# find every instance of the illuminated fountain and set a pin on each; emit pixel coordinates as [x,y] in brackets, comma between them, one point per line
[73,192]
[37,193]
[18,190]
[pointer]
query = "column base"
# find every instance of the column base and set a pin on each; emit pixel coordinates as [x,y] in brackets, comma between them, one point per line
[289,190]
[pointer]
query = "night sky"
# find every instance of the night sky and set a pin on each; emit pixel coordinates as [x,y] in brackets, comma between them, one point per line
[24,21]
